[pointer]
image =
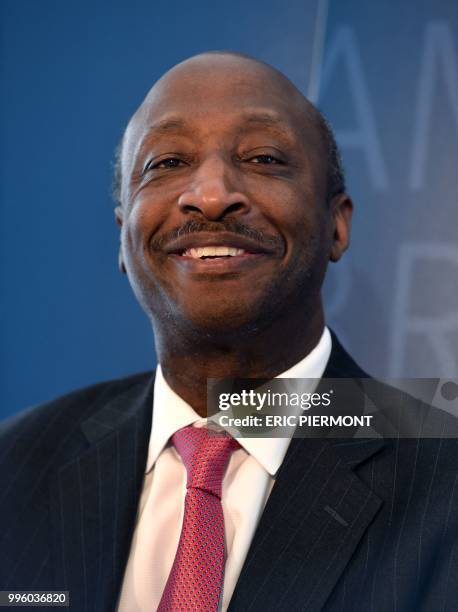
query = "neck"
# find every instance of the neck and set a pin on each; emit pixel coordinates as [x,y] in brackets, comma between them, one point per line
[187,362]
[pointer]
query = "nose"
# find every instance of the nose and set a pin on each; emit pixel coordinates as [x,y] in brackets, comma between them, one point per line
[213,191]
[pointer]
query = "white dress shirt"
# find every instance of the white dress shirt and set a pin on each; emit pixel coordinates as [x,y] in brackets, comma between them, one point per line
[247,484]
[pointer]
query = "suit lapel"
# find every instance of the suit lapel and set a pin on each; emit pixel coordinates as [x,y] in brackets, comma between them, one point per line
[95,498]
[316,515]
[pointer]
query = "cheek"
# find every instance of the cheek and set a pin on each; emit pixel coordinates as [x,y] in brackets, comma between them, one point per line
[306,229]
[280,202]
[141,223]
[133,236]
[143,220]
[295,215]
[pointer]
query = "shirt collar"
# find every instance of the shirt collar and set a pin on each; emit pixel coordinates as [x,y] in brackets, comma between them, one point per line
[171,413]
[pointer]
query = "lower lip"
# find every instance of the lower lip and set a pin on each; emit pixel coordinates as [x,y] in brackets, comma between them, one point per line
[218,265]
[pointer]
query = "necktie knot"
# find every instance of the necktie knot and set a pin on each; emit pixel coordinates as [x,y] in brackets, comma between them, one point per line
[205,454]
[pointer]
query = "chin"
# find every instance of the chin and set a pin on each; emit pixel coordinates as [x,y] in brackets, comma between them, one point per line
[227,320]
[223,322]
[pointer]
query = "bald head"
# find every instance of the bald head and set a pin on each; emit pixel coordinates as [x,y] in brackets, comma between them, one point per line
[239,82]
[219,68]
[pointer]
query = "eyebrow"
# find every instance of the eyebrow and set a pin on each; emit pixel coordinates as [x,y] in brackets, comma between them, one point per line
[270,121]
[169,125]
[265,119]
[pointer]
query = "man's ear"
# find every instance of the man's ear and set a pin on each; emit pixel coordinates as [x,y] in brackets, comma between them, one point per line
[118,215]
[341,210]
[119,220]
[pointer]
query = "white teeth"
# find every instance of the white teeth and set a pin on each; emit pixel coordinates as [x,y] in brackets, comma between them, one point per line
[213,251]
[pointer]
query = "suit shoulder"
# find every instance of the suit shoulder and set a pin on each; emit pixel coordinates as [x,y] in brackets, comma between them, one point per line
[399,414]
[75,407]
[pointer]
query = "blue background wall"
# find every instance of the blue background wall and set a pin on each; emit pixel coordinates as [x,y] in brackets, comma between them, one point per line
[390,86]
[73,73]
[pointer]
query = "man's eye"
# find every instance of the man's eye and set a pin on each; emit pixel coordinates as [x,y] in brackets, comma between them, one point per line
[170,162]
[265,159]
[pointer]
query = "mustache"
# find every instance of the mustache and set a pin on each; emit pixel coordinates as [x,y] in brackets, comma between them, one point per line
[230,225]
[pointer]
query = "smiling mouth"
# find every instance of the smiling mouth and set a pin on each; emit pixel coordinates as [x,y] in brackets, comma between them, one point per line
[213,252]
[217,253]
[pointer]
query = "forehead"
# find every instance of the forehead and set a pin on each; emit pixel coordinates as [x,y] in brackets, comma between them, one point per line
[211,95]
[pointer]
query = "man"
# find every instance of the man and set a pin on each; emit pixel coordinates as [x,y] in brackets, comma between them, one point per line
[232,202]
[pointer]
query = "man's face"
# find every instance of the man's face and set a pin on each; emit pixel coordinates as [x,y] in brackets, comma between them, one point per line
[224,218]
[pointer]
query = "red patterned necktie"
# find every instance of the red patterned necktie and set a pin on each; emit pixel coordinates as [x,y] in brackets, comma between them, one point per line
[196,579]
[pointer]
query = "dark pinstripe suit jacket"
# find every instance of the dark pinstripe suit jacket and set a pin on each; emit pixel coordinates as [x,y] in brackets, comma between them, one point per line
[350,524]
